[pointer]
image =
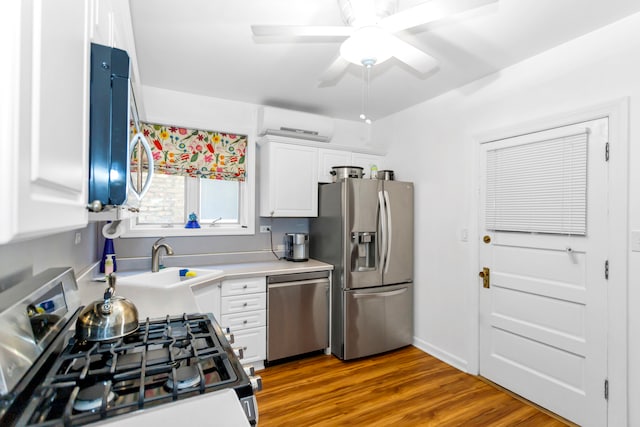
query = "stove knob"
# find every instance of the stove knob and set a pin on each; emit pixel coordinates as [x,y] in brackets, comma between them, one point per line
[239,352]
[256,382]
[229,338]
[249,370]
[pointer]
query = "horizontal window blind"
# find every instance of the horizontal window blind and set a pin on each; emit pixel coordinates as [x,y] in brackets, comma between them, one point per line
[538,186]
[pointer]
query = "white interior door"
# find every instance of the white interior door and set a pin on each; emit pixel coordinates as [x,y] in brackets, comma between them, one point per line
[543,222]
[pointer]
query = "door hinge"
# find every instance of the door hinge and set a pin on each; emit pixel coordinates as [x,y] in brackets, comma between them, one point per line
[606,269]
[606,389]
[606,152]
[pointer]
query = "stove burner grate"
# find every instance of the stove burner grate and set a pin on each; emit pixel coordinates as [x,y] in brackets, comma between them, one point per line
[165,360]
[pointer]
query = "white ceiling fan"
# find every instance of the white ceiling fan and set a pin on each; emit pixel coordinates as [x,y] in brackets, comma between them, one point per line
[370,34]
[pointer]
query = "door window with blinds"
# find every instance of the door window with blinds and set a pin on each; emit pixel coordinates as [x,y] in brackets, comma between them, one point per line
[539,185]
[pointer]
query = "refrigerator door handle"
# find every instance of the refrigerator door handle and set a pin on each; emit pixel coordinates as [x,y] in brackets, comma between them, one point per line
[383,230]
[389,230]
[380,294]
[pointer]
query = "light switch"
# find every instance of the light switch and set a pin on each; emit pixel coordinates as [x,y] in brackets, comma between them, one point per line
[635,240]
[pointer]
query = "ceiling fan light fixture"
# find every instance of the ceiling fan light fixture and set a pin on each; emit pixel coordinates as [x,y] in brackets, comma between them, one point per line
[367,46]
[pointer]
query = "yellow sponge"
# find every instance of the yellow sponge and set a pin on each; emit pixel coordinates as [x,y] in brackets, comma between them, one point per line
[190,274]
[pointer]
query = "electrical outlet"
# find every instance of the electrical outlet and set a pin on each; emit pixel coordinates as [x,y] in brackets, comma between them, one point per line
[265,228]
[77,238]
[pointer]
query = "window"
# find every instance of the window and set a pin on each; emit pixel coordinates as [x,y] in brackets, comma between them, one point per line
[171,199]
[538,186]
[202,172]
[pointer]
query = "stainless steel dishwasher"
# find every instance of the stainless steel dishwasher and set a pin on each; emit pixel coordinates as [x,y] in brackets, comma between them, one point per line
[297,314]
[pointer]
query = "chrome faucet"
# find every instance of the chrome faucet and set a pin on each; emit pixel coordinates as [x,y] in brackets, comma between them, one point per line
[155,253]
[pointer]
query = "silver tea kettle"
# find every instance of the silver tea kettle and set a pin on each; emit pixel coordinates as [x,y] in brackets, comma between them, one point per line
[108,319]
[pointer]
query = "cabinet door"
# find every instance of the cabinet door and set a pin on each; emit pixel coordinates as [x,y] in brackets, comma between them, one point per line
[253,344]
[208,300]
[329,158]
[366,162]
[289,175]
[48,126]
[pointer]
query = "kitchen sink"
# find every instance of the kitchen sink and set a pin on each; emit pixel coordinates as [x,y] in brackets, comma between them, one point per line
[168,277]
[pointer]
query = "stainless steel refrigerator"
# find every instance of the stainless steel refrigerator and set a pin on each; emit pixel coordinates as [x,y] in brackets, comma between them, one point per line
[365,229]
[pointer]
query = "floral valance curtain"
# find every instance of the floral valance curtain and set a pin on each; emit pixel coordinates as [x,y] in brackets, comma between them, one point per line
[196,153]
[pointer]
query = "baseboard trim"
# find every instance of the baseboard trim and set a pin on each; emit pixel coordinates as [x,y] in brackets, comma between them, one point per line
[441,354]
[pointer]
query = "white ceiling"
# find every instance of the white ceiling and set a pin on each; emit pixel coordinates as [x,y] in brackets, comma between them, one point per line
[206,47]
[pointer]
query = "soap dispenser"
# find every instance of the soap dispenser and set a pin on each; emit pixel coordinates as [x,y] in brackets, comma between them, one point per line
[108,250]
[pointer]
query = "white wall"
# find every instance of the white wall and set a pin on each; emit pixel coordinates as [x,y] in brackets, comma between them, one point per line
[201,112]
[434,142]
[190,110]
[23,259]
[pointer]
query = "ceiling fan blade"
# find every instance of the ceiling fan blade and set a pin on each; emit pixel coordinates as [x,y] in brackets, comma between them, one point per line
[301,31]
[335,71]
[412,56]
[428,11]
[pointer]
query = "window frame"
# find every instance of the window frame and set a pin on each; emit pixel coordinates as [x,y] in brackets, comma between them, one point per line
[247,214]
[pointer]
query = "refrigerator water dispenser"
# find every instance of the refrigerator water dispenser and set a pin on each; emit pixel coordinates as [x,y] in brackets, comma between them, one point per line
[363,254]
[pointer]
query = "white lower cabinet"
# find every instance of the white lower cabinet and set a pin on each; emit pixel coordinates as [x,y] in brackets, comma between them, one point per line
[207,298]
[243,309]
[253,344]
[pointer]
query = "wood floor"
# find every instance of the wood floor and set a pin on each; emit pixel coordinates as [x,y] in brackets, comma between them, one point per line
[403,388]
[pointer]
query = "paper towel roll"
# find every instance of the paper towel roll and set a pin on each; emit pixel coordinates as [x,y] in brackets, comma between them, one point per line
[113,230]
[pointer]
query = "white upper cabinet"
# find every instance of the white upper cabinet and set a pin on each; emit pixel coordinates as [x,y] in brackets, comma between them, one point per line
[43,117]
[327,159]
[291,169]
[367,162]
[288,179]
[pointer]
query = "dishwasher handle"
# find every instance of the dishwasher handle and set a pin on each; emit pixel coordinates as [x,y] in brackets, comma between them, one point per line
[298,283]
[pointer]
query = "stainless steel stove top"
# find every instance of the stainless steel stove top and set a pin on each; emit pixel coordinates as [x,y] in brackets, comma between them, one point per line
[73,382]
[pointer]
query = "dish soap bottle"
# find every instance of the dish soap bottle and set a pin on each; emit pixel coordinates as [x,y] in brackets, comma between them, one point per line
[108,265]
[108,250]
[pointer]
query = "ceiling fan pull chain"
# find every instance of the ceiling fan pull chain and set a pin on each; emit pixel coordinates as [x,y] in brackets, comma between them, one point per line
[366,83]
[363,104]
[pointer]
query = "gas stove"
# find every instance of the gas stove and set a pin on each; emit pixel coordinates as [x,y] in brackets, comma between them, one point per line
[72,382]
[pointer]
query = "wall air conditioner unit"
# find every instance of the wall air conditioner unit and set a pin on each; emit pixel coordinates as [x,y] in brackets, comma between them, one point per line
[294,124]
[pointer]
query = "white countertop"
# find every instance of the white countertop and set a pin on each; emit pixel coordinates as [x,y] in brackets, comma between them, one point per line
[157,302]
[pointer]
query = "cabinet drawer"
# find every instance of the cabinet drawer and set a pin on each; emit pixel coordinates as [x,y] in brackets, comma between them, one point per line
[242,303]
[238,321]
[243,286]
[253,344]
